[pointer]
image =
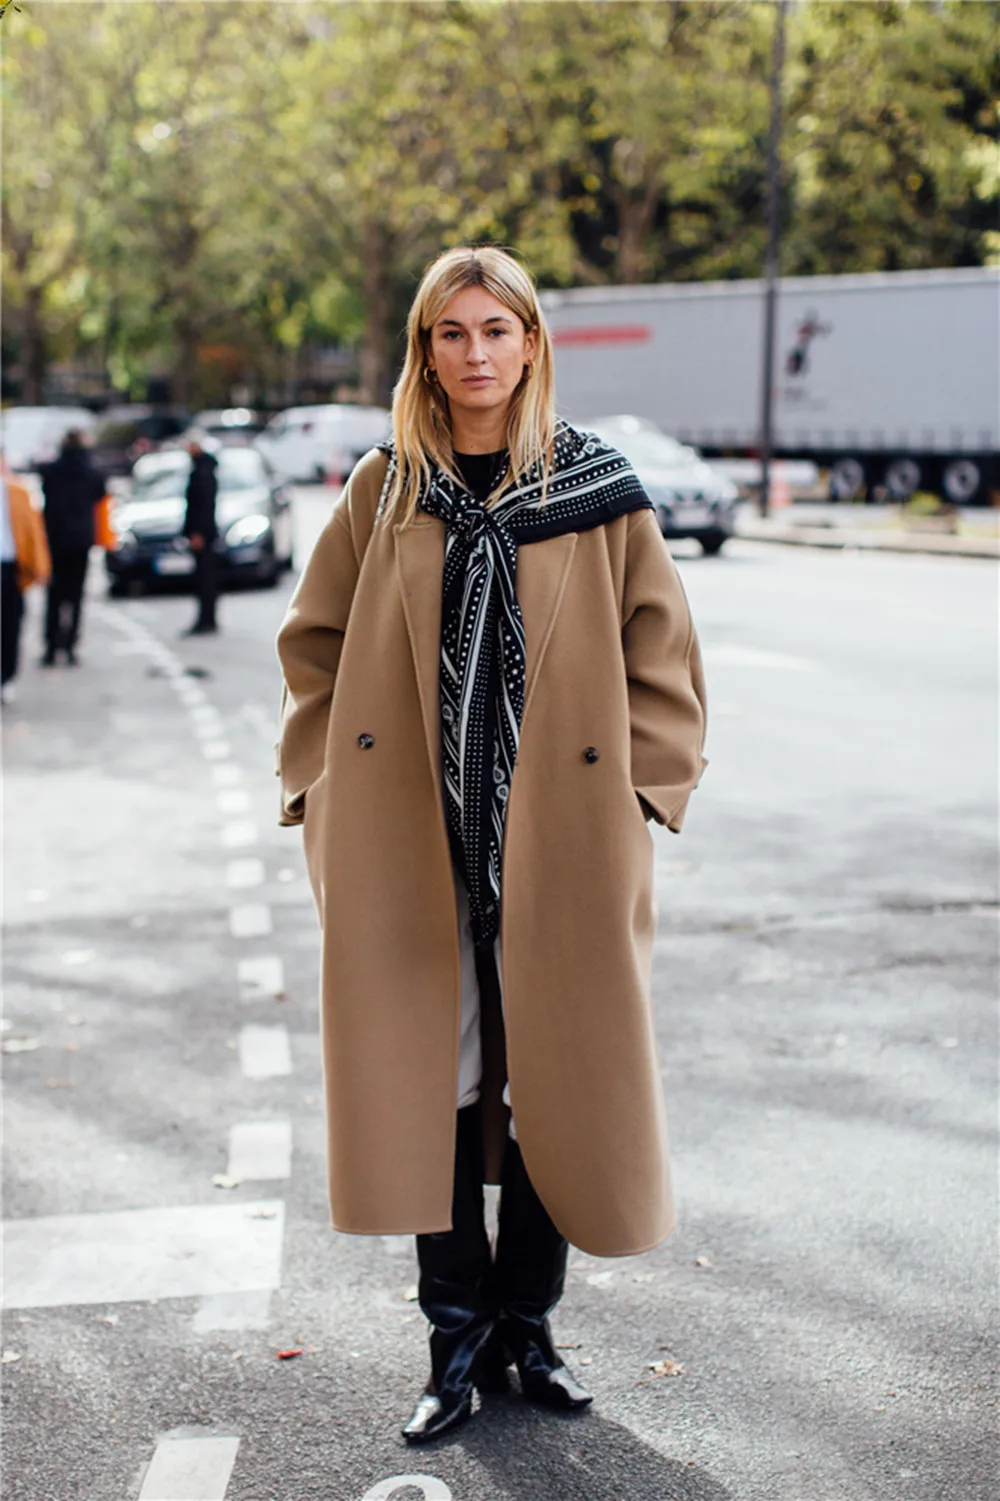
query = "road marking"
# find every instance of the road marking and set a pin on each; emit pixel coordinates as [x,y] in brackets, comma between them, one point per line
[241,874]
[751,656]
[210,730]
[260,1150]
[190,1469]
[242,832]
[205,714]
[216,750]
[265,1052]
[250,920]
[429,1487]
[136,1254]
[232,800]
[233,1311]
[226,774]
[261,978]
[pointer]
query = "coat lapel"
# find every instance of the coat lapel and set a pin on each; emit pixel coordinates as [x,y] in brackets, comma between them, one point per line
[419,566]
[542,571]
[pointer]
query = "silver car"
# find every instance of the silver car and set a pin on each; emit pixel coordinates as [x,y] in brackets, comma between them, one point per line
[690,497]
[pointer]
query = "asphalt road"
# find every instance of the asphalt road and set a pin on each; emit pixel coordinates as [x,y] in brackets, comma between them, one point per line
[825,986]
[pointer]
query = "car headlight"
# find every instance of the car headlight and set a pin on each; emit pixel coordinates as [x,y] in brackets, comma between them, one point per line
[246,530]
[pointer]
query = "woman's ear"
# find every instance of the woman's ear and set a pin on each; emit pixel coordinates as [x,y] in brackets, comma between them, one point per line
[530,343]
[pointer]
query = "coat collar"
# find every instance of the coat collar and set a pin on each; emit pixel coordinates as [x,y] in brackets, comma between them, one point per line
[542,572]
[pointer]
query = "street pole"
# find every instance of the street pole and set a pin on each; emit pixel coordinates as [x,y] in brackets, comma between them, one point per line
[771,263]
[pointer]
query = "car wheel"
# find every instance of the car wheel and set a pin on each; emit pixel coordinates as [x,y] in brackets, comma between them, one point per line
[713,543]
[123,588]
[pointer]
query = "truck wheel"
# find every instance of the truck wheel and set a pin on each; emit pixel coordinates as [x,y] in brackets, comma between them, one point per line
[902,478]
[961,480]
[712,543]
[847,479]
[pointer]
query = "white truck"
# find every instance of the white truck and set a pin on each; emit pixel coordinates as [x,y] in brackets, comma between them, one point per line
[889,379]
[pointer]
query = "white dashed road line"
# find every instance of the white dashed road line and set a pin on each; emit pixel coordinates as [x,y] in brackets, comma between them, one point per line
[261,978]
[250,920]
[264,1052]
[226,774]
[242,874]
[239,834]
[232,800]
[216,750]
[250,1310]
[190,1469]
[260,1151]
[133,1255]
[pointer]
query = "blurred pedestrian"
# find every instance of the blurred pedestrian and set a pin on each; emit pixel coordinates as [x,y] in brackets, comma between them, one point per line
[202,532]
[491,683]
[72,488]
[25,561]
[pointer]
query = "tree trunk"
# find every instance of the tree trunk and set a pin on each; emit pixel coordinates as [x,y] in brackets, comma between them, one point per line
[374,359]
[635,215]
[34,358]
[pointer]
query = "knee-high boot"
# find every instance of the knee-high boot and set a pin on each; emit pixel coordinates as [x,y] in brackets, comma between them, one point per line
[456,1293]
[530,1272]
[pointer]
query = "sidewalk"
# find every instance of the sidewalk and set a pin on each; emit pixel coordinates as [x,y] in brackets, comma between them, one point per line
[874,528]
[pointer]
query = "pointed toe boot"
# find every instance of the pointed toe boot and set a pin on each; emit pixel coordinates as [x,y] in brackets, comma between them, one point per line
[531,1273]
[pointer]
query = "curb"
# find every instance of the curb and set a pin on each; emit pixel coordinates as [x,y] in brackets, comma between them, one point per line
[839,538]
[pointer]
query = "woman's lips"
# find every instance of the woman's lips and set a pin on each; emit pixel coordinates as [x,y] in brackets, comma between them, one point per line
[477,380]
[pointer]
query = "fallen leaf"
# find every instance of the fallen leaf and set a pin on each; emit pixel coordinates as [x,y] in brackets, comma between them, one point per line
[586,1360]
[289,1354]
[9,1356]
[223,1180]
[58,1084]
[666,1368]
[107,1318]
[569,1347]
[643,1277]
[20,1044]
[703,1261]
[264,1214]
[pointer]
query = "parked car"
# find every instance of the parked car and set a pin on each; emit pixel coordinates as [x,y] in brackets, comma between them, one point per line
[690,497]
[232,426]
[31,435]
[322,444]
[253,511]
[125,433]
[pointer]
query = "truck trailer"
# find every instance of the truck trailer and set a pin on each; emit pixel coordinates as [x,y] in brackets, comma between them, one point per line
[889,380]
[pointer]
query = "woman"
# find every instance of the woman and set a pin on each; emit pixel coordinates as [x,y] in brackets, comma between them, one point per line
[491,682]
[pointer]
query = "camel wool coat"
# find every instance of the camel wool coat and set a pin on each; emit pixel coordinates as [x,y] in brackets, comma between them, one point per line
[614,712]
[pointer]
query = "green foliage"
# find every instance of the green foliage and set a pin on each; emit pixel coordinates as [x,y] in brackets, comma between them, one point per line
[204,186]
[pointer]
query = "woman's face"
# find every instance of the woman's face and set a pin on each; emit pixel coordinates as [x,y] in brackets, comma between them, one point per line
[478,349]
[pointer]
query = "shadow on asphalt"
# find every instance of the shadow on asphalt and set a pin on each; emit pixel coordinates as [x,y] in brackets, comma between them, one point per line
[527,1453]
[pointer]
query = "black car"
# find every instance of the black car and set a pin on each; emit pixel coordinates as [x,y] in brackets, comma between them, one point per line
[126,433]
[253,513]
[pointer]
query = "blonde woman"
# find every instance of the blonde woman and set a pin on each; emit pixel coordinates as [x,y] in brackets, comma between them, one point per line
[491,684]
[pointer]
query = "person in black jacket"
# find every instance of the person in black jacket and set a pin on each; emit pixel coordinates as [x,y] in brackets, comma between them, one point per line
[72,488]
[202,532]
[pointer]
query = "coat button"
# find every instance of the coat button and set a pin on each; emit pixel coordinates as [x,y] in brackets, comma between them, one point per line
[366,741]
[591,754]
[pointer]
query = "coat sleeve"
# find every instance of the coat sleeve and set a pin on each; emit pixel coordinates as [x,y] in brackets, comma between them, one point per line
[312,636]
[666,686]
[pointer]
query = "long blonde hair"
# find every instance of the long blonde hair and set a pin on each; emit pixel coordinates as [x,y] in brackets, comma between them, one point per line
[420,419]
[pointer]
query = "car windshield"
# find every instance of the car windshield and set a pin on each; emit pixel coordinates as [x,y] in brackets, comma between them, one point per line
[646,449]
[239,469]
[117,433]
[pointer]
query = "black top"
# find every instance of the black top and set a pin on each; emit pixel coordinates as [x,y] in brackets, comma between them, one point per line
[202,487]
[72,488]
[482,471]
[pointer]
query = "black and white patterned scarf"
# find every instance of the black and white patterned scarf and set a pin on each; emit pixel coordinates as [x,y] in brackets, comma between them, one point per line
[482,635]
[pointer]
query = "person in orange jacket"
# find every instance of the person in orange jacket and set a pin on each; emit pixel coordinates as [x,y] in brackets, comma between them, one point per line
[24,561]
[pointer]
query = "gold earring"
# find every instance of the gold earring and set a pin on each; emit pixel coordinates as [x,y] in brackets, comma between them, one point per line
[430,376]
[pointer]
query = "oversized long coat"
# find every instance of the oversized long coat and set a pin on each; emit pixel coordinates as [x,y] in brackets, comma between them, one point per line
[614,712]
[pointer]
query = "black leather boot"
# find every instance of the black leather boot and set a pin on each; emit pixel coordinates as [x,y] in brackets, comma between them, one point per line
[456,1294]
[531,1272]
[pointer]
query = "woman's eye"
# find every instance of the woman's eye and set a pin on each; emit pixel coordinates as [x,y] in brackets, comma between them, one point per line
[450,333]
[498,331]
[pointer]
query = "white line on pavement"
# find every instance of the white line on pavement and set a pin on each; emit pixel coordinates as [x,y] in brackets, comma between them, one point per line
[136,1254]
[190,1469]
[261,978]
[250,920]
[260,1150]
[226,774]
[233,1311]
[241,874]
[237,835]
[265,1052]
[751,656]
[232,800]
[216,750]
